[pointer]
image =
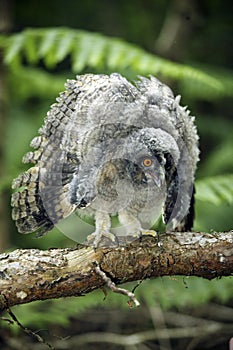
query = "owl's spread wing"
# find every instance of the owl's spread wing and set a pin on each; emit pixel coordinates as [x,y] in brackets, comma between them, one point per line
[173,203]
[42,198]
[178,210]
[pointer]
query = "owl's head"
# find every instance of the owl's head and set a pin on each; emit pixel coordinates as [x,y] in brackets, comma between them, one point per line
[139,157]
[151,152]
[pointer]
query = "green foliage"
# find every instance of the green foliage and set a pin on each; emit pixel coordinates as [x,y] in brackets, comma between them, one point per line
[58,311]
[202,91]
[221,160]
[215,190]
[85,50]
[170,292]
[94,51]
[35,82]
[25,54]
[180,292]
[38,62]
[214,203]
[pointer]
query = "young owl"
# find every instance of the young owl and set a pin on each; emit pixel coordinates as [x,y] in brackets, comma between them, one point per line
[109,147]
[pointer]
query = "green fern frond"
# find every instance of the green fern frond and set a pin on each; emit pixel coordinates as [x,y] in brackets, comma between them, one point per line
[36,82]
[215,190]
[220,159]
[200,90]
[97,52]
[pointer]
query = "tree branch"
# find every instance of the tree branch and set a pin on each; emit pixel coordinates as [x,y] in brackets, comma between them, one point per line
[32,274]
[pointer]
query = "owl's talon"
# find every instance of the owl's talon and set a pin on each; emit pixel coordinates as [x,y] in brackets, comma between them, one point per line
[138,234]
[102,239]
[149,233]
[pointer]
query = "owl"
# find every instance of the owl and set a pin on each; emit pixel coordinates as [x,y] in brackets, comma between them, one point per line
[109,147]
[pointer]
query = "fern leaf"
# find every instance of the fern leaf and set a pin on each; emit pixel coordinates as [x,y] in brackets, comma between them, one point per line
[99,48]
[100,53]
[30,48]
[220,160]
[116,55]
[36,82]
[216,189]
[47,47]
[81,51]
[64,45]
[48,41]
[218,73]
[13,49]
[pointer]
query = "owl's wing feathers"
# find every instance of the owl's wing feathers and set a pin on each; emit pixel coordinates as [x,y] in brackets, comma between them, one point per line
[41,200]
[42,197]
[175,120]
[178,211]
[179,204]
[28,210]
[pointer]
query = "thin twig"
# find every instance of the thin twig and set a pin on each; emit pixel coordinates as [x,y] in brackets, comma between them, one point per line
[27,330]
[6,320]
[140,337]
[132,299]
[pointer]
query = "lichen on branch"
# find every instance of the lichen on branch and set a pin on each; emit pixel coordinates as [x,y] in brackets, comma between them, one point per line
[32,274]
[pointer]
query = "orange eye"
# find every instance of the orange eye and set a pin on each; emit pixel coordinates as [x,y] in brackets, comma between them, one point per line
[147,162]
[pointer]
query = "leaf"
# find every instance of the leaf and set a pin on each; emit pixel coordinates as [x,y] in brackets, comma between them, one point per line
[101,53]
[218,74]
[47,47]
[116,55]
[180,292]
[220,160]
[64,45]
[36,82]
[216,189]
[40,314]
[81,51]
[99,47]
[31,47]
[13,50]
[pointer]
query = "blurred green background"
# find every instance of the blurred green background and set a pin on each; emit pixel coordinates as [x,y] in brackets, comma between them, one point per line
[186,44]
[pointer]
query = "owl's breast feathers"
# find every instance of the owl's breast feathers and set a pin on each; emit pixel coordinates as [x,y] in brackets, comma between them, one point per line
[90,146]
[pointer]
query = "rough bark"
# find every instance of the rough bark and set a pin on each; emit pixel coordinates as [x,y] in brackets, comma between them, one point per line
[31,274]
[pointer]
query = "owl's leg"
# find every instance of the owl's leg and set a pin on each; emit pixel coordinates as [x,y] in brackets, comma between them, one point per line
[132,225]
[102,237]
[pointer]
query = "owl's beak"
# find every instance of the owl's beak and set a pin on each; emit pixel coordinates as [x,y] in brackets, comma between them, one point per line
[158,178]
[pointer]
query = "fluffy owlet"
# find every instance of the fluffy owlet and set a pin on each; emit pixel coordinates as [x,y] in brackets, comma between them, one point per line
[109,147]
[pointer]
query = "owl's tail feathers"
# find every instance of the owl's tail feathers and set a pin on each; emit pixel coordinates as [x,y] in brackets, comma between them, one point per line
[36,208]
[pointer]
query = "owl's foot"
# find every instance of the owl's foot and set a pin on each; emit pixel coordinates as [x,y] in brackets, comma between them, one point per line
[133,226]
[101,239]
[142,232]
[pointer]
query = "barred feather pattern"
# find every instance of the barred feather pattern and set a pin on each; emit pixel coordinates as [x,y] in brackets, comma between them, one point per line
[66,158]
